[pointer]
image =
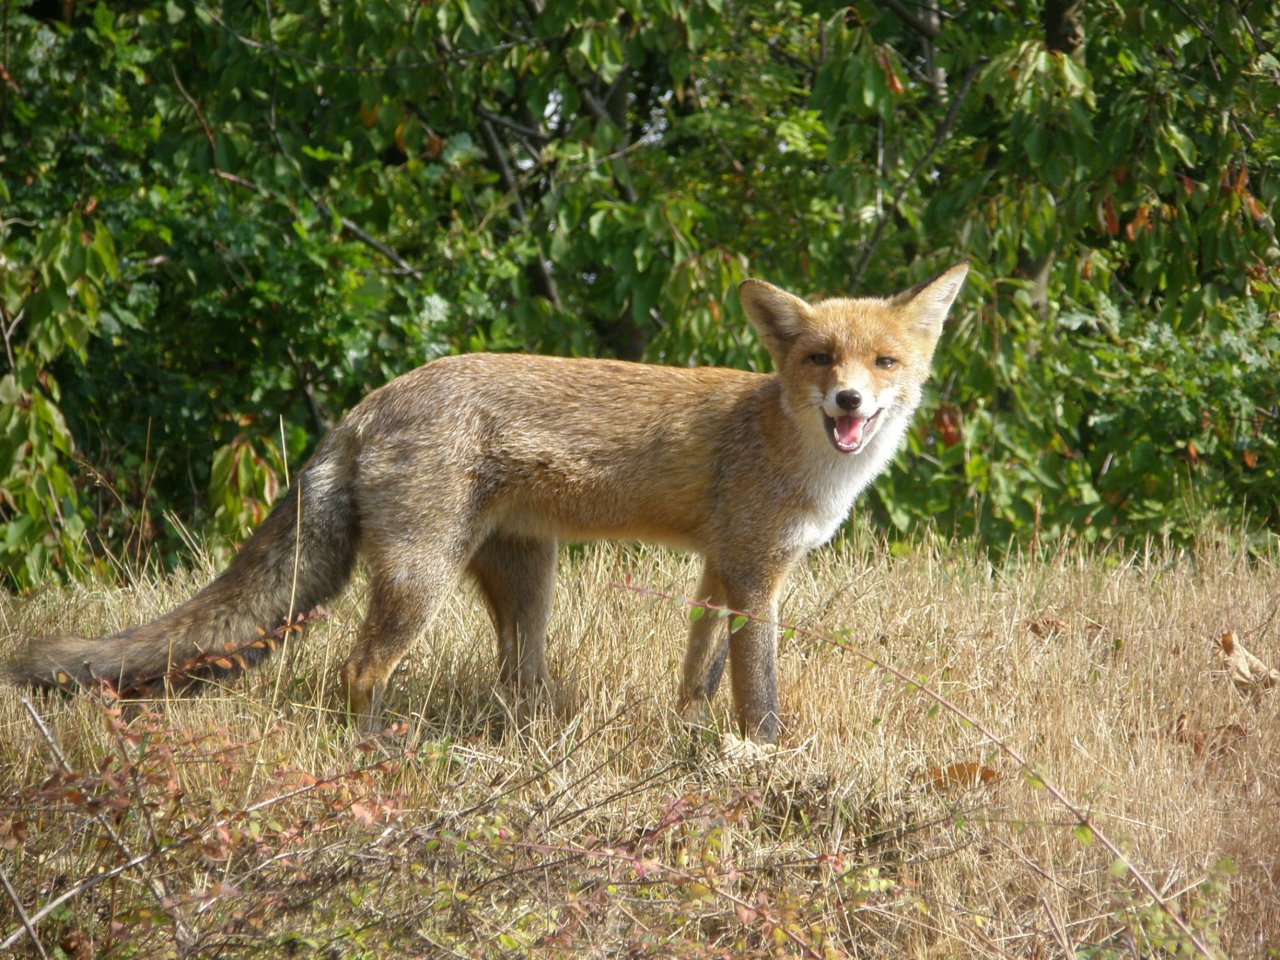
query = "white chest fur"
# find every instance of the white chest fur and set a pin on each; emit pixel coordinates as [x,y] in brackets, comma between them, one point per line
[833,481]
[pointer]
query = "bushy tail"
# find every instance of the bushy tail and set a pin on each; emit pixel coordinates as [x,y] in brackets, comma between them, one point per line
[300,556]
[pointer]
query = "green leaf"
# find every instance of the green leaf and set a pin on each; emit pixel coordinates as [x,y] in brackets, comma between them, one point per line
[1181,143]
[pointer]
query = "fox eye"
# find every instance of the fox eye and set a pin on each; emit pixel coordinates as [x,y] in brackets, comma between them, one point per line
[820,359]
[886,363]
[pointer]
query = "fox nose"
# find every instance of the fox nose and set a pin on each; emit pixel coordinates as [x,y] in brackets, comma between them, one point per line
[848,400]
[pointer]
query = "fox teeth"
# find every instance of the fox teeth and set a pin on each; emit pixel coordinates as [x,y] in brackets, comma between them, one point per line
[849,434]
[849,431]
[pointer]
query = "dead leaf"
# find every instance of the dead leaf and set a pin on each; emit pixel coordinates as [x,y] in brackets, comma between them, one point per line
[890,75]
[968,773]
[1212,742]
[1047,627]
[1250,675]
[76,944]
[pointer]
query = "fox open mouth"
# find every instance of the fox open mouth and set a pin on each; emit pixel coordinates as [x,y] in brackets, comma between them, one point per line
[850,434]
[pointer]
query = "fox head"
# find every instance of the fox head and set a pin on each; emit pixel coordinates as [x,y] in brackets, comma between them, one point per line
[852,366]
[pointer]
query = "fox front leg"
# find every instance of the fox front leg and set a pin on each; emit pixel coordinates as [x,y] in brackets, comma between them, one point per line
[753,654]
[751,649]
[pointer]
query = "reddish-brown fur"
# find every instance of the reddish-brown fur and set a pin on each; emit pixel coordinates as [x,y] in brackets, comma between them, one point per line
[479,464]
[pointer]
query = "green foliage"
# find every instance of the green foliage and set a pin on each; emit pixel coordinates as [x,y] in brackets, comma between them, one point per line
[218,218]
[1132,397]
[1150,932]
[244,481]
[50,307]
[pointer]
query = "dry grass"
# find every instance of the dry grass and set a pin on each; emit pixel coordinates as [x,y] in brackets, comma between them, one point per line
[259,824]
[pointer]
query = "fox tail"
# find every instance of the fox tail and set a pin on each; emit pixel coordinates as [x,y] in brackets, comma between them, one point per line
[300,556]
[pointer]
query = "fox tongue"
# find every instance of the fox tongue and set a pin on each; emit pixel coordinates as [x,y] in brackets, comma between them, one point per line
[849,430]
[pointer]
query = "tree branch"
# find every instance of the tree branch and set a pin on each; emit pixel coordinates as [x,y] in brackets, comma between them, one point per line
[164,900]
[927,22]
[601,113]
[497,153]
[347,224]
[453,57]
[939,138]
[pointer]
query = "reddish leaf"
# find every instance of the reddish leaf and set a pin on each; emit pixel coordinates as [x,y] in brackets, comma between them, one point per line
[890,75]
[1109,222]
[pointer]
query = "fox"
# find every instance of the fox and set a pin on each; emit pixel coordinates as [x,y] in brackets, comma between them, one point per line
[480,464]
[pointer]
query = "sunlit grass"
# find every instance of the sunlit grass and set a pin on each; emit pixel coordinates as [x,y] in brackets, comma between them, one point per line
[883,826]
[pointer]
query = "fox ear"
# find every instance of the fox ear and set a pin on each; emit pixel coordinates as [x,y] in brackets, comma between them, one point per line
[779,317]
[927,303]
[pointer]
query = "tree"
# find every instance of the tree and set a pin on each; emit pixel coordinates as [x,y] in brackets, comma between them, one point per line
[224,225]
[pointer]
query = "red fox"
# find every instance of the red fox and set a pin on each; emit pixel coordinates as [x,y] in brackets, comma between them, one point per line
[481,463]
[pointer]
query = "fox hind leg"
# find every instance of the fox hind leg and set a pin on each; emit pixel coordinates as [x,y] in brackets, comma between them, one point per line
[516,575]
[402,602]
[705,654]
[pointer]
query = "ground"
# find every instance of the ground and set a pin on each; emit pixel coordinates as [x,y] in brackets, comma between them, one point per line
[1064,764]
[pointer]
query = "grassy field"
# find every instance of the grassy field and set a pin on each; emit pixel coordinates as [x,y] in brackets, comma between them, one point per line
[251,821]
